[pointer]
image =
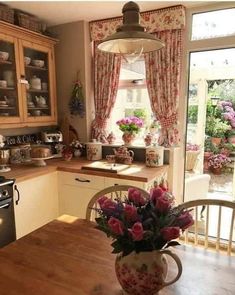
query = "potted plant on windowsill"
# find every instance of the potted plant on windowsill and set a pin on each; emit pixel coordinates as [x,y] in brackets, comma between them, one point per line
[216,129]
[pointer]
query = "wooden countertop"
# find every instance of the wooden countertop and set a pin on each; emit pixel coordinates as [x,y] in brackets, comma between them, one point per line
[136,172]
[68,256]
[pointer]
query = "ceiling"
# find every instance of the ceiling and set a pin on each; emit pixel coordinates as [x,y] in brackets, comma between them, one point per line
[59,12]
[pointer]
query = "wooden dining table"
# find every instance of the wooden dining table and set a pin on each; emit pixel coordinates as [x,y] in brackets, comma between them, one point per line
[69,256]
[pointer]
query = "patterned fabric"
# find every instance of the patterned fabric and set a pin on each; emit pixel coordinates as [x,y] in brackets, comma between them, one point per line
[163,82]
[107,71]
[154,21]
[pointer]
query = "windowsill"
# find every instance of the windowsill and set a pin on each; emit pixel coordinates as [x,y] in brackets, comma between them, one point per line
[136,146]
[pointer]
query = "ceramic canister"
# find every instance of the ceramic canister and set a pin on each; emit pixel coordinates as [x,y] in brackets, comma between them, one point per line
[154,156]
[94,151]
[35,83]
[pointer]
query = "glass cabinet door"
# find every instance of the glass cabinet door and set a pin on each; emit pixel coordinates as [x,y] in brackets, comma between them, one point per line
[10,107]
[38,80]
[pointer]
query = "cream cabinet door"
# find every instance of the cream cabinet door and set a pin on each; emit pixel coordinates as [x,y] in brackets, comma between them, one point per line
[73,200]
[38,203]
[76,190]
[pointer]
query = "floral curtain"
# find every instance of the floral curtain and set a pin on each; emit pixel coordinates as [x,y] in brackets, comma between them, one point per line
[163,82]
[107,70]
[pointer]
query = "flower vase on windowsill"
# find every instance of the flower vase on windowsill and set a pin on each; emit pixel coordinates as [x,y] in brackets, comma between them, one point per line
[130,126]
[128,137]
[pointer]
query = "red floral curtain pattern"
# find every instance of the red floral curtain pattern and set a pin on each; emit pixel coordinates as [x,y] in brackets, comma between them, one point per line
[163,83]
[107,71]
[169,18]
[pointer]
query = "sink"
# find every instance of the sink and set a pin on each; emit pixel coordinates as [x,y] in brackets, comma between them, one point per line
[105,166]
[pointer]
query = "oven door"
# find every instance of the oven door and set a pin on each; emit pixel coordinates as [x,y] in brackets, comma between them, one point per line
[7,222]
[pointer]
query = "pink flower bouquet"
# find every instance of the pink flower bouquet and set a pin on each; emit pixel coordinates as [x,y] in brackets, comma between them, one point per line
[130,124]
[192,147]
[139,224]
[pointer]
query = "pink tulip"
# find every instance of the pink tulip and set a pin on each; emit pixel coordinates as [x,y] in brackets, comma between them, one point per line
[185,220]
[116,226]
[135,196]
[101,200]
[137,231]
[156,193]
[163,204]
[170,233]
[130,212]
[108,205]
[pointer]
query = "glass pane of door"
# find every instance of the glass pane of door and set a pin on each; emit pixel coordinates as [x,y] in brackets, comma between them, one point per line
[210,152]
[9,104]
[37,74]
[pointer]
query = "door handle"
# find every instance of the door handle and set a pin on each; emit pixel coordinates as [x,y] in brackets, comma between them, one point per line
[18,194]
[82,180]
[4,206]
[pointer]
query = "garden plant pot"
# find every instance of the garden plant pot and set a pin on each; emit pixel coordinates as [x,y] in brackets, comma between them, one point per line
[145,272]
[205,162]
[216,171]
[216,140]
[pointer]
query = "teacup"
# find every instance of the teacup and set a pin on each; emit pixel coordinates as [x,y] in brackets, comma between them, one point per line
[3,83]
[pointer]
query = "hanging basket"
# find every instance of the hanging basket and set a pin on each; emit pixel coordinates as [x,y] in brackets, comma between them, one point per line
[191,159]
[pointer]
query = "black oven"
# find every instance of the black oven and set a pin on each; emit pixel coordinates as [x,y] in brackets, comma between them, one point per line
[7,217]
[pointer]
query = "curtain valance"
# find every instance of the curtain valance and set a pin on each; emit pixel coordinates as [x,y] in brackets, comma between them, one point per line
[169,18]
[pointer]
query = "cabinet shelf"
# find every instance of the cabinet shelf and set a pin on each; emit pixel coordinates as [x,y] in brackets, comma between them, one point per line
[7,88]
[37,91]
[36,68]
[5,62]
[7,108]
[39,108]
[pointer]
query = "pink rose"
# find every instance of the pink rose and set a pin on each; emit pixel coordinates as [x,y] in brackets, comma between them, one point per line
[116,226]
[101,200]
[130,212]
[170,233]
[163,204]
[156,193]
[185,220]
[137,231]
[108,205]
[135,196]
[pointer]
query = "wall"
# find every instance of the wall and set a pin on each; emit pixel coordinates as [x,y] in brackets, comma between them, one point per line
[73,54]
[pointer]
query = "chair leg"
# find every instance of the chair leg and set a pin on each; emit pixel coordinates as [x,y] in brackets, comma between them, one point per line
[203,209]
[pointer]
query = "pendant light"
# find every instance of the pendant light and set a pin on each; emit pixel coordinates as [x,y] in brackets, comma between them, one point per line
[130,39]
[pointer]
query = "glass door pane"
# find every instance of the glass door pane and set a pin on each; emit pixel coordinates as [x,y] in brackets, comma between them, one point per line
[9,101]
[37,74]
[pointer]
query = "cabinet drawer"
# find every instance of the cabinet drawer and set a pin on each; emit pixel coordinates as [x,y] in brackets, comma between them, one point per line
[81,180]
[117,181]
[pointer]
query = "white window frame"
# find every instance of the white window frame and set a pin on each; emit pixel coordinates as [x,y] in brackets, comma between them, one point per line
[188,47]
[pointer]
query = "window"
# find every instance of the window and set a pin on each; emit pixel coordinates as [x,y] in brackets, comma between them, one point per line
[132,100]
[213,24]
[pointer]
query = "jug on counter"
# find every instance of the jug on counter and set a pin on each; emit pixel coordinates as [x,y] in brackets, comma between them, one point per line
[154,156]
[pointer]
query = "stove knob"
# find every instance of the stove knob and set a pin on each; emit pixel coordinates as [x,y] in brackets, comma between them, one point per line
[5,193]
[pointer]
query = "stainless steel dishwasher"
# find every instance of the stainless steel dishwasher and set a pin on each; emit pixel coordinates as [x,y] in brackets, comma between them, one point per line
[7,217]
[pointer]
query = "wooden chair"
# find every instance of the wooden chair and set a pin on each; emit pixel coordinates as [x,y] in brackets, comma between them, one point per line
[216,229]
[116,191]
